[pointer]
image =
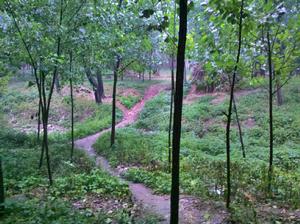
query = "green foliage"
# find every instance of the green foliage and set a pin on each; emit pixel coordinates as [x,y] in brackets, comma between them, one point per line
[29,198]
[159,181]
[45,211]
[203,151]
[99,120]
[21,108]
[149,119]
[96,182]
[129,149]
[129,101]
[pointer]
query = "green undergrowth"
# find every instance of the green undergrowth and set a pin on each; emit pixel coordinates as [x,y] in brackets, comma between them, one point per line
[20,107]
[29,199]
[138,85]
[129,101]
[203,159]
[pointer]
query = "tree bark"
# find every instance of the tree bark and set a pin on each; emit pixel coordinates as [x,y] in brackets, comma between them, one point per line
[228,193]
[45,115]
[2,196]
[97,85]
[271,137]
[172,96]
[100,87]
[47,101]
[57,84]
[113,119]
[239,128]
[39,120]
[72,108]
[178,111]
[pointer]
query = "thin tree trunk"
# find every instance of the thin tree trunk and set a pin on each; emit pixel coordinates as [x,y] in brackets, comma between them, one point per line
[113,119]
[39,120]
[41,113]
[239,127]
[2,196]
[228,194]
[271,137]
[172,96]
[45,114]
[185,71]
[100,87]
[47,102]
[178,112]
[57,84]
[72,108]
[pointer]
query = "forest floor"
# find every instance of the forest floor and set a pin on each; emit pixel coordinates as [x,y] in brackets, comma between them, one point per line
[192,210]
[139,159]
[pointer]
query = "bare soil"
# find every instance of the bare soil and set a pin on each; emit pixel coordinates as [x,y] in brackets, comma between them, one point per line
[219,97]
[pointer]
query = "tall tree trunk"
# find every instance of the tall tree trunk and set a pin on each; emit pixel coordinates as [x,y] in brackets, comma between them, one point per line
[185,74]
[72,107]
[39,120]
[100,86]
[271,137]
[57,84]
[113,119]
[178,111]
[172,94]
[2,196]
[239,127]
[47,101]
[97,85]
[228,193]
[45,115]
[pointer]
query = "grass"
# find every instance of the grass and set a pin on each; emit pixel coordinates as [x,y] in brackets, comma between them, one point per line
[29,199]
[203,166]
[138,85]
[28,196]
[20,107]
[129,101]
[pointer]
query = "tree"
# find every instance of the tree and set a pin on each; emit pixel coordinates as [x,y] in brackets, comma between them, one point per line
[72,106]
[172,90]
[43,46]
[271,137]
[178,110]
[2,198]
[231,99]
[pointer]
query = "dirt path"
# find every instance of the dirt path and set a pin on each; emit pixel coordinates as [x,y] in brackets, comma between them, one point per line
[194,95]
[141,194]
[191,209]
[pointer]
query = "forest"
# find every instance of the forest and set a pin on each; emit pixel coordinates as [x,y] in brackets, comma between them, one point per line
[149,111]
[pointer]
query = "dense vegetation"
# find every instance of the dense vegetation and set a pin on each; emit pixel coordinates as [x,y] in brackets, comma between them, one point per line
[146,111]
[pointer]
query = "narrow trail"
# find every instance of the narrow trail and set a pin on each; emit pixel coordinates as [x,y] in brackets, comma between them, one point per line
[194,95]
[141,194]
[192,210]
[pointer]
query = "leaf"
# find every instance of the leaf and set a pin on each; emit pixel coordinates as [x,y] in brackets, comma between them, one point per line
[31,83]
[147,13]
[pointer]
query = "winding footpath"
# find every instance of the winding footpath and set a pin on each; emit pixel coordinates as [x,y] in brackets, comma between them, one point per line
[191,209]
